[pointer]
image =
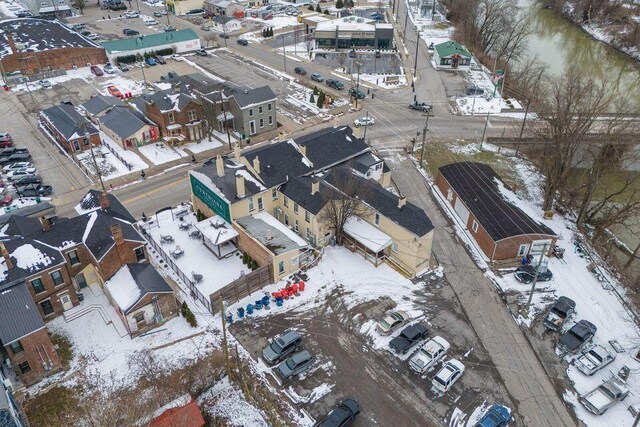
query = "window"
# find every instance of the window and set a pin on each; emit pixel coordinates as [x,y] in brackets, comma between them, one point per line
[522,251]
[24,367]
[310,235]
[73,257]
[295,208]
[191,115]
[251,207]
[281,267]
[376,220]
[296,227]
[260,109]
[307,216]
[270,120]
[37,285]
[274,194]
[56,276]
[286,219]
[16,347]
[394,247]
[269,107]
[261,123]
[286,202]
[85,141]
[46,306]
[171,118]
[140,255]
[139,317]
[250,112]
[474,226]
[260,204]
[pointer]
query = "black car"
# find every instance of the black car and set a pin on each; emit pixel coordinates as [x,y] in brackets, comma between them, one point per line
[474,90]
[577,337]
[300,70]
[15,158]
[409,336]
[559,313]
[172,74]
[28,180]
[243,42]
[130,32]
[525,274]
[9,151]
[342,415]
[357,93]
[34,190]
[226,36]
[336,84]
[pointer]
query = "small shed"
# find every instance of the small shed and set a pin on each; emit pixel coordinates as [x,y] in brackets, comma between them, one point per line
[218,236]
[451,55]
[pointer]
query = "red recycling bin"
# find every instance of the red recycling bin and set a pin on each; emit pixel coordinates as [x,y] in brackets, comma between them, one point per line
[301,286]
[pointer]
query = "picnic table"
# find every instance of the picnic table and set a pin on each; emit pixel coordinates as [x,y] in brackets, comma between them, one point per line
[166,239]
[177,252]
[184,226]
[195,234]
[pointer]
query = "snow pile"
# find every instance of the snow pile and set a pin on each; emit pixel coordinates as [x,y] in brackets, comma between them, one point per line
[160,153]
[28,257]
[226,401]
[123,289]
[206,144]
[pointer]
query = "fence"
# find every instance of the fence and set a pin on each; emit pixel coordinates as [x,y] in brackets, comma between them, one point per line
[115,153]
[243,286]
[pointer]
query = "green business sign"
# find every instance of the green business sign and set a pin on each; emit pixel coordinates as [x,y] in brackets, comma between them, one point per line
[211,199]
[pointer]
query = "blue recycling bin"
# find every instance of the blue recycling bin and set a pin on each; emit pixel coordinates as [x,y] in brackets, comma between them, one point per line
[265,302]
[240,313]
[279,301]
[249,309]
[258,305]
[229,318]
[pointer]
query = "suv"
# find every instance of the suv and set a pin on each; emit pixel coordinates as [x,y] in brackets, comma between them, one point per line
[496,416]
[295,365]
[577,337]
[28,180]
[34,190]
[447,376]
[342,415]
[15,158]
[96,70]
[9,151]
[409,337]
[242,42]
[357,93]
[300,70]
[5,140]
[130,32]
[336,84]
[316,77]
[281,347]
[526,273]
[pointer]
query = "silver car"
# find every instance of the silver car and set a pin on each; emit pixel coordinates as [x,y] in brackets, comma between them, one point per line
[295,365]
[281,347]
[392,321]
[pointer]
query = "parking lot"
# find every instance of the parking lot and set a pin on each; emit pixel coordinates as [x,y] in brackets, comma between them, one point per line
[351,362]
[388,63]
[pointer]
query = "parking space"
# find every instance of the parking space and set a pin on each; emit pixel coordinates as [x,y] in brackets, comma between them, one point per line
[388,63]
[110,25]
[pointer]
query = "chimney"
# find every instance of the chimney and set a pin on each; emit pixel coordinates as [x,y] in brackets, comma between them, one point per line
[219,166]
[315,187]
[12,43]
[46,225]
[7,257]
[240,186]
[103,199]
[116,232]
[269,235]
[303,150]
[256,164]
[401,202]
[236,151]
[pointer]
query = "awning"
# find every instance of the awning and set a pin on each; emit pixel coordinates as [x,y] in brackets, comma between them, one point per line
[174,126]
[369,236]
[222,115]
[216,230]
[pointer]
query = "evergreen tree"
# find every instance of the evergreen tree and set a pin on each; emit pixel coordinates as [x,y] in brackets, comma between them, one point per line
[312,99]
[320,100]
[315,90]
[339,4]
[326,12]
[310,7]
[318,8]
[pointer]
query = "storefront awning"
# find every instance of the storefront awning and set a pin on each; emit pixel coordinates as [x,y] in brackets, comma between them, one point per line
[366,234]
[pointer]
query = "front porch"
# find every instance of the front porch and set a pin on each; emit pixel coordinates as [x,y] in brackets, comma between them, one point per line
[364,238]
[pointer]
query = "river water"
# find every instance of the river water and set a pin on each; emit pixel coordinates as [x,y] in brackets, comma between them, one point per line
[558,43]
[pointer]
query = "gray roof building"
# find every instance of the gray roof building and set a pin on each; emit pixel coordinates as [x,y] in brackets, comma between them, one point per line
[68,122]
[148,281]
[247,97]
[19,315]
[165,100]
[91,202]
[101,103]
[271,234]
[124,121]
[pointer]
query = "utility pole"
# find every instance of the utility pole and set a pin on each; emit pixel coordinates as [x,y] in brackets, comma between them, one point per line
[365,127]
[224,117]
[524,120]
[424,141]
[433,11]
[406,19]
[225,344]
[357,83]
[95,165]
[284,54]
[415,65]
[535,276]
[484,131]
[224,32]
[166,10]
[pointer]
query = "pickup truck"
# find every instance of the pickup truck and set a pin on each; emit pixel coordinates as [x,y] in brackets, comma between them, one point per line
[603,397]
[409,337]
[421,106]
[34,190]
[559,313]
[576,338]
[593,359]
[429,354]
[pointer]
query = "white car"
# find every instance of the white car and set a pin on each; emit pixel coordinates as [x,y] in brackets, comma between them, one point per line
[93,37]
[132,14]
[593,359]
[429,354]
[19,165]
[108,68]
[447,376]
[19,173]
[45,83]
[151,22]
[364,121]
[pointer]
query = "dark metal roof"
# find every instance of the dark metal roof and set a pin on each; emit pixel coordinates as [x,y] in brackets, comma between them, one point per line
[99,103]
[148,281]
[477,186]
[124,121]
[19,315]
[91,203]
[66,120]
[246,96]
[330,146]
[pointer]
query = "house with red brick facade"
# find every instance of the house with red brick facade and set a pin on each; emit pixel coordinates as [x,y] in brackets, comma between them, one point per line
[69,128]
[481,201]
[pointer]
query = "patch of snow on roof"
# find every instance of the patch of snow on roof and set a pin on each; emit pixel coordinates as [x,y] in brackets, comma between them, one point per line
[206,181]
[28,257]
[86,201]
[248,177]
[512,198]
[123,288]
[267,218]
[92,220]
[3,230]
[365,233]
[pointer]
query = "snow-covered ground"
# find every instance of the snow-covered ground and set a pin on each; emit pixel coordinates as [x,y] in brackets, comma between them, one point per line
[129,156]
[204,145]
[83,73]
[490,102]
[159,153]
[277,22]
[226,401]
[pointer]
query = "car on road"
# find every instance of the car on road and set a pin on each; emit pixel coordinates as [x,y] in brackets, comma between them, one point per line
[295,365]
[496,416]
[96,70]
[421,106]
[281,347]
[391,322]
[378,54]
[172,74]
[364,121]
[160,59]
[18,165]
[603,397]
[593,359]
[447,376]
[526,273]
[34,190]
[19,173]
[201,52]
[168,28]
[352,53]
[131,14]
[23,14]
[114,91]
[108,68]
[410,336]
[160,13]
[300,70]
[557,316]
[6,140]
[357,93]
[124,67]
[429,354]
[336,84]
[342,415]
[474,90]
[93,36]
[576,338]
[317,77]
[150,61]
[130,32]
[242,42]
[45,83]
[225,36]
[6,200]
[14,158]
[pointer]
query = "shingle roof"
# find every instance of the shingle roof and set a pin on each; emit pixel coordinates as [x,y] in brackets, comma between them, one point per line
[477,186]
[330,146]
[363,162]
[99,103]
[449,48]
[66,120]
[90,203]
[165,100]
[27,211]
[299,190]
[246,96]
[183,416]
[227,183]
[124,121]
[149,41]
[277,161]
[19,315]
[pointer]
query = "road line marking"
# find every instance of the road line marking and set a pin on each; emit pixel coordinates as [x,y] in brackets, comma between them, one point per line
[146,194]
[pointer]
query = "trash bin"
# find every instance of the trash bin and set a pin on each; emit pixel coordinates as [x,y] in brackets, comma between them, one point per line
[80,296]
[279,301]
[240,313]
[229,318]
[258,305]
[249,309]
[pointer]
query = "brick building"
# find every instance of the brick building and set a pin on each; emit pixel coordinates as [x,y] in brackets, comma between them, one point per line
[72,131]
[32,46]
[481,201]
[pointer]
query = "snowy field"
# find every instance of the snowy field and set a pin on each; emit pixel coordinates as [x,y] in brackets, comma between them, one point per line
[205,144]
[277,22]
[490,102]
[160,153]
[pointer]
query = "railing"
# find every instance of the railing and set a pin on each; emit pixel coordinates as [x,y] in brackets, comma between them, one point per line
[118,156]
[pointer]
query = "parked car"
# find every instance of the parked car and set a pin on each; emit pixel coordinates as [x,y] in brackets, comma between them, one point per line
[352,53]
[150,61]
[342,415]
[131,14]
[160,60]
[317,77]
[124,67]
[157,14]
[28,180]
[17,157]
[19,173]
[410,336]
[6,140]
[526,273]
[172,74]
[97,70]
[281,347]
[474,90]
[108,68]
[114,91]
[300,70]
[34,190]
[23,14]
[201,52]
[603,397]
[226,36]
[93,36]
[364,121]
[392,321]
[168,28]
[295,365]
[577,337]
[243,42]
[429,354]
[78,27]
[336,84]
[447,376]
[6,201]
[205,27]
[45,83]
[593,359]
[151,22]
[66,102]
[496,416]
[9,151]
[421,106]
[85,33]
[357,93]
[130,32]
[561,310]
[15,166]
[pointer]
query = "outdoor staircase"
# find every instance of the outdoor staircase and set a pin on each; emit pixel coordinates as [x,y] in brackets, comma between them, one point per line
[80,311]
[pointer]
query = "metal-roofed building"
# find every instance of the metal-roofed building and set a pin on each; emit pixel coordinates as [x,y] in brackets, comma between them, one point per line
[451,55]
[69,128]
[182,41]
[353,32]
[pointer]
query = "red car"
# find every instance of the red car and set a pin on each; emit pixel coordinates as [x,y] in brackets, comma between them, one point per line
[6,201]
[115,92]
[5,140]
[97,70]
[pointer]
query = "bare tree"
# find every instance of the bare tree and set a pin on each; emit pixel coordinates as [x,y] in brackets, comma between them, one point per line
[80,4]
[309,43]
[342,59]
[210,115]
[210,37]
[512,45]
